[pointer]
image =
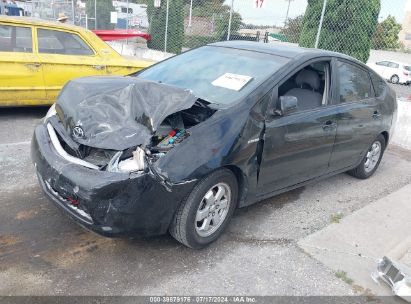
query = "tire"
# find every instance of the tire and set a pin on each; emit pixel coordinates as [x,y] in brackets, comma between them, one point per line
[187,228]
[394,79]
[363,171]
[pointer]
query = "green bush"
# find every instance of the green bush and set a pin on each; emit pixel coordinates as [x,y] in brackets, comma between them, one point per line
[196,41]
[175,30]
[348,26]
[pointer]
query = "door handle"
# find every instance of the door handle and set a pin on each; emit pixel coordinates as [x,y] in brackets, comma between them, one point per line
[99,67]
[33,65]
[376,115]
[329,125]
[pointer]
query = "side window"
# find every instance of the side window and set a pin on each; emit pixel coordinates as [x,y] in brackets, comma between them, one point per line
[378,84]
[382,63]
[393,65]
[309,85]
[58,42]
[15,39]
[354,83]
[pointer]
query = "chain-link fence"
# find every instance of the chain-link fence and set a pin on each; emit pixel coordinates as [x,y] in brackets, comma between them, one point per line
[356,28]
[349,26]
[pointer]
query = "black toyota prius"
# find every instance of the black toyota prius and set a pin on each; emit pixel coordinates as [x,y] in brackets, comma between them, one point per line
[180,145]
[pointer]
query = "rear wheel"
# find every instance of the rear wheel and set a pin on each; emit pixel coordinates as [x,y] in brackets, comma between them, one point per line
[204,214]
[395,79]
[371,160]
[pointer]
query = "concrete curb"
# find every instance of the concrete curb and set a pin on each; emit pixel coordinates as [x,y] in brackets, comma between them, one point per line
[356,243]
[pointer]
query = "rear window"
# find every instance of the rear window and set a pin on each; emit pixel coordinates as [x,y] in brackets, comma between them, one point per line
[354,83]
[58,42]
[15,39]
[216,74]
[378,84]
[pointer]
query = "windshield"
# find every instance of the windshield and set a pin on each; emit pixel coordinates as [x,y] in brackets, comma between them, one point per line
[216,74]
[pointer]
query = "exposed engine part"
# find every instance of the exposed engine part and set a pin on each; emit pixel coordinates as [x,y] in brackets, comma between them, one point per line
[172,139]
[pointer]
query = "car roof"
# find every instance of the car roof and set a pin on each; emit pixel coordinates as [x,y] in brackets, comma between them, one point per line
[278,49]
[40,22]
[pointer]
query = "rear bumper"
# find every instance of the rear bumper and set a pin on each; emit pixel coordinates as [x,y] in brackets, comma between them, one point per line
[111,204]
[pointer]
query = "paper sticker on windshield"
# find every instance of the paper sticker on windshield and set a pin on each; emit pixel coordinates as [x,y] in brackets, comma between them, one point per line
[232,81]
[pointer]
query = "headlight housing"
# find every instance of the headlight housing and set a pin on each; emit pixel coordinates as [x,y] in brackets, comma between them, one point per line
[50,112]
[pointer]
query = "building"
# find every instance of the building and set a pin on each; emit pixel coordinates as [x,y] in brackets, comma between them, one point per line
[405,34]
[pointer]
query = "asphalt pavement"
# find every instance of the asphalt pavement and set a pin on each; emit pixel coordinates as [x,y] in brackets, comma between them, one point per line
[42,252]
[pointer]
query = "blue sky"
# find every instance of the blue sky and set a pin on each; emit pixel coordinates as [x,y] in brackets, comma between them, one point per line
[274,11]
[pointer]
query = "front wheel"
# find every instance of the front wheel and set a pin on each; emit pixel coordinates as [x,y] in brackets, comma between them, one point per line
[395,79]
[204,214]
[371,160]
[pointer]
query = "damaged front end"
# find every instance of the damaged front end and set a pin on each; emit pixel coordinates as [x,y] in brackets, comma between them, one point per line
[96,149]
[124,123]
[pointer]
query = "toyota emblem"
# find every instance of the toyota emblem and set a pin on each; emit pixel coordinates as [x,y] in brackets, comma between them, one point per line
[78,132]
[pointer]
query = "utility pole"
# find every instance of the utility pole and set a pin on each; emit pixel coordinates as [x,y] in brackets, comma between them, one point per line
[317,40]
[166,33]
[128,6]
[189,18]
[288,10]
[229,20]
[95,14]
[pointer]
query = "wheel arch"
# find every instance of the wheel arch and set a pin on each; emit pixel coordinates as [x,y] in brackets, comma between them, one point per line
[386,137]
[242,182]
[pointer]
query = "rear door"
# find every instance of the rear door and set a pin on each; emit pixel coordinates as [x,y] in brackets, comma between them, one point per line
[21,75]
[358,115]
[65,55]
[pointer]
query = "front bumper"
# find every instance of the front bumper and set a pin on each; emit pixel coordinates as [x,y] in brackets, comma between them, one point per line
[111,204]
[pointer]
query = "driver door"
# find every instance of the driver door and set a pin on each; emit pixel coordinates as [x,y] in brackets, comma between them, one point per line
[297,146]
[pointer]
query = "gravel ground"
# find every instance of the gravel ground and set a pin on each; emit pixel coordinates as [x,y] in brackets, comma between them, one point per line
[44,253]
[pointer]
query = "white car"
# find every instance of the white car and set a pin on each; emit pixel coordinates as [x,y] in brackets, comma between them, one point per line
[393,71]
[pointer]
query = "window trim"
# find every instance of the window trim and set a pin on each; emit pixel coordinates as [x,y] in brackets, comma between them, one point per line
[32,37]
[95,54]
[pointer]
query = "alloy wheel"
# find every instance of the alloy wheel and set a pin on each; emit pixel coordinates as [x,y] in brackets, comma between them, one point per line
[372,157]
[213,209]
[395,79]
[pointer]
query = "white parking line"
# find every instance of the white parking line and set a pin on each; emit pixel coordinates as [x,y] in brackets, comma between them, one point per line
[20,143]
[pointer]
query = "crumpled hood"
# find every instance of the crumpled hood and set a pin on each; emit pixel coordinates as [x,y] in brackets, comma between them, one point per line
[117,112]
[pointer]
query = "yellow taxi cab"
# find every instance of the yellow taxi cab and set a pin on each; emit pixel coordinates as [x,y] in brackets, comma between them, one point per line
[38,57]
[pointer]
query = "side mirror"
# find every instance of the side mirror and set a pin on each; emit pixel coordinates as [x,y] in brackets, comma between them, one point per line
[288,104]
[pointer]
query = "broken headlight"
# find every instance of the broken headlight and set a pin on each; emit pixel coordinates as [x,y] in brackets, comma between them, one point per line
[132,164]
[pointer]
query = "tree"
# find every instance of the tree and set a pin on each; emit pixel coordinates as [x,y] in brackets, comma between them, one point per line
[104,7]
[175,31]
[348,26]
[386,35]
[222,22]
[292,29]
